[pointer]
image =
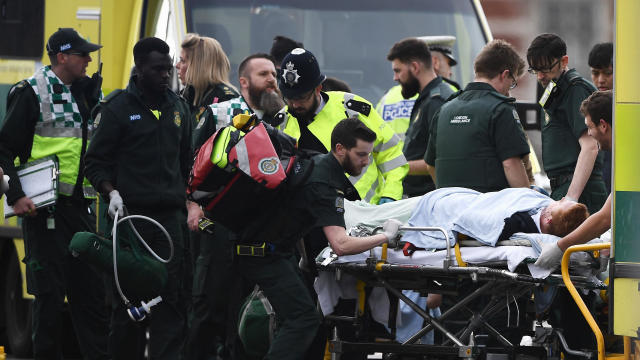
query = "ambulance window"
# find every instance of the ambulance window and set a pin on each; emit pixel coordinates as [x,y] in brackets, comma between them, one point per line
[23,22]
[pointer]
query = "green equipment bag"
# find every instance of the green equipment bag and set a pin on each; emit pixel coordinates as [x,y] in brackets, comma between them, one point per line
[141,276]
[257,324]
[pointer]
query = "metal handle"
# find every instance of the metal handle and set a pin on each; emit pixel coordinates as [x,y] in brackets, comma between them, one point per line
[447,258]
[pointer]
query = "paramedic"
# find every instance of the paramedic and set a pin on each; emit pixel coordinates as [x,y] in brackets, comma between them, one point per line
[412,69]
[569,154]
[215,307]
[601,64]
[48,114]
[597,109]
[477,140]
[140,156]
[319,202]
[259,95]
[313,115]
[203,68]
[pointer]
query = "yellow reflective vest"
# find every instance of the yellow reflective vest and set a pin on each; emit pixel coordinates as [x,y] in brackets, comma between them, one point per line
[59,132]
[395,110]
[388,166]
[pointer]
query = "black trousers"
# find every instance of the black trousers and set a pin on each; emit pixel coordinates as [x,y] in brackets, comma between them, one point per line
[212,281]
[167,322]
[53,273]
[278,276]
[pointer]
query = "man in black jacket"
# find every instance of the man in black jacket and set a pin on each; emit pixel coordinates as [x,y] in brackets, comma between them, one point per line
[140,156]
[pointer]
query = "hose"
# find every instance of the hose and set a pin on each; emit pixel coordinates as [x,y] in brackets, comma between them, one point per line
[114,232]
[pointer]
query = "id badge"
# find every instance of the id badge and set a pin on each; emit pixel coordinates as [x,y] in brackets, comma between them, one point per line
[544,99]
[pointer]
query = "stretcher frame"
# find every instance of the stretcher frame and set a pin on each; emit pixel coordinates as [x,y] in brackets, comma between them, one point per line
[434,279]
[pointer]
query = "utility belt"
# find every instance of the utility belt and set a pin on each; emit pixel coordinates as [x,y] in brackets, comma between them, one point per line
[260,250]
[559,180]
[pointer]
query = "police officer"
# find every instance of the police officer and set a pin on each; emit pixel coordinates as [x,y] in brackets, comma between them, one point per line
[318,202]
[395,108]
[477,141]
[48,115]
[570,156]
[140,155]
[412,68]
[314,114]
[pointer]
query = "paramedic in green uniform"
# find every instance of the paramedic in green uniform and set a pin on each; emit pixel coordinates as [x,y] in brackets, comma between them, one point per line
[569,155]
[48,114]
[412,69]
[140,156]
[477,140]
[318,203]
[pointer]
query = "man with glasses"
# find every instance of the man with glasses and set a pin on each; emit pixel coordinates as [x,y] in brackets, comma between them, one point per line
[413,70]
[48,115]
[476,138]
[570,156]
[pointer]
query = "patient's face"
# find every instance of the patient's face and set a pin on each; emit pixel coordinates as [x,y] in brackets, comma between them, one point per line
[558,207]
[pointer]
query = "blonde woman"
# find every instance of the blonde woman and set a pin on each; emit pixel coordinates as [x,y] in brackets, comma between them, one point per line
[203,68]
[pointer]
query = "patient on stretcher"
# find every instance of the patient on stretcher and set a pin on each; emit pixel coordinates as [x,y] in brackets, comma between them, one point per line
[490,217]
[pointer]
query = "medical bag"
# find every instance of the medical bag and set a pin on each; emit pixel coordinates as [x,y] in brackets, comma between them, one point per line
[236,173]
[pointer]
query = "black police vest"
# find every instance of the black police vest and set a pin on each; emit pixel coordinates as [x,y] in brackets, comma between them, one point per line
[465,148]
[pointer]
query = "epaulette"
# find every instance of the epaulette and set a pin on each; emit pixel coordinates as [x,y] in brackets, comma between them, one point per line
[502,97]
[358,106]
[111,96]
[454,95]
[19,85]
[227,90]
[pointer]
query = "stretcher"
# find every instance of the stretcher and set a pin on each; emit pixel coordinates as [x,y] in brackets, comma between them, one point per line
[499,278]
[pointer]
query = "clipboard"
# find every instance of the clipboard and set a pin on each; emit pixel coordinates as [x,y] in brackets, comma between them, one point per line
[39,180]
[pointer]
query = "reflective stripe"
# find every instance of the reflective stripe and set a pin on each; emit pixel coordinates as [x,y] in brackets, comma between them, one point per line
[395,139]
[53,132]
[45,106]
[372,191]
[392,164]
[243,157]
[67,189]
[349,112]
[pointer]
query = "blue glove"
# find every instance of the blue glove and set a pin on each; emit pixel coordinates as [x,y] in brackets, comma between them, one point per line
[384,200]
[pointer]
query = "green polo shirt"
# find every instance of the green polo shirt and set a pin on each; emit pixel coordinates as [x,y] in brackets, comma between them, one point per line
[472,134]
[563,124]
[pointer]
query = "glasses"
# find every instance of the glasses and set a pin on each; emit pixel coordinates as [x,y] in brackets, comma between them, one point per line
[533,71]
[81,54]
[514,83]
[303,97]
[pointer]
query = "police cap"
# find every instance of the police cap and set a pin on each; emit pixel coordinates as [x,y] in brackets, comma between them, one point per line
[443,44]
[299,73]
[66,40]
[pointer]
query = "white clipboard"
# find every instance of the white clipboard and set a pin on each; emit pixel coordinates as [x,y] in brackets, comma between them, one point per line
[39,180]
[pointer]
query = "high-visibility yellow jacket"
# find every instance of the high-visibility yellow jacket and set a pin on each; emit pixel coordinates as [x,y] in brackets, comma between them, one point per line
[388,166]
[395,110]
